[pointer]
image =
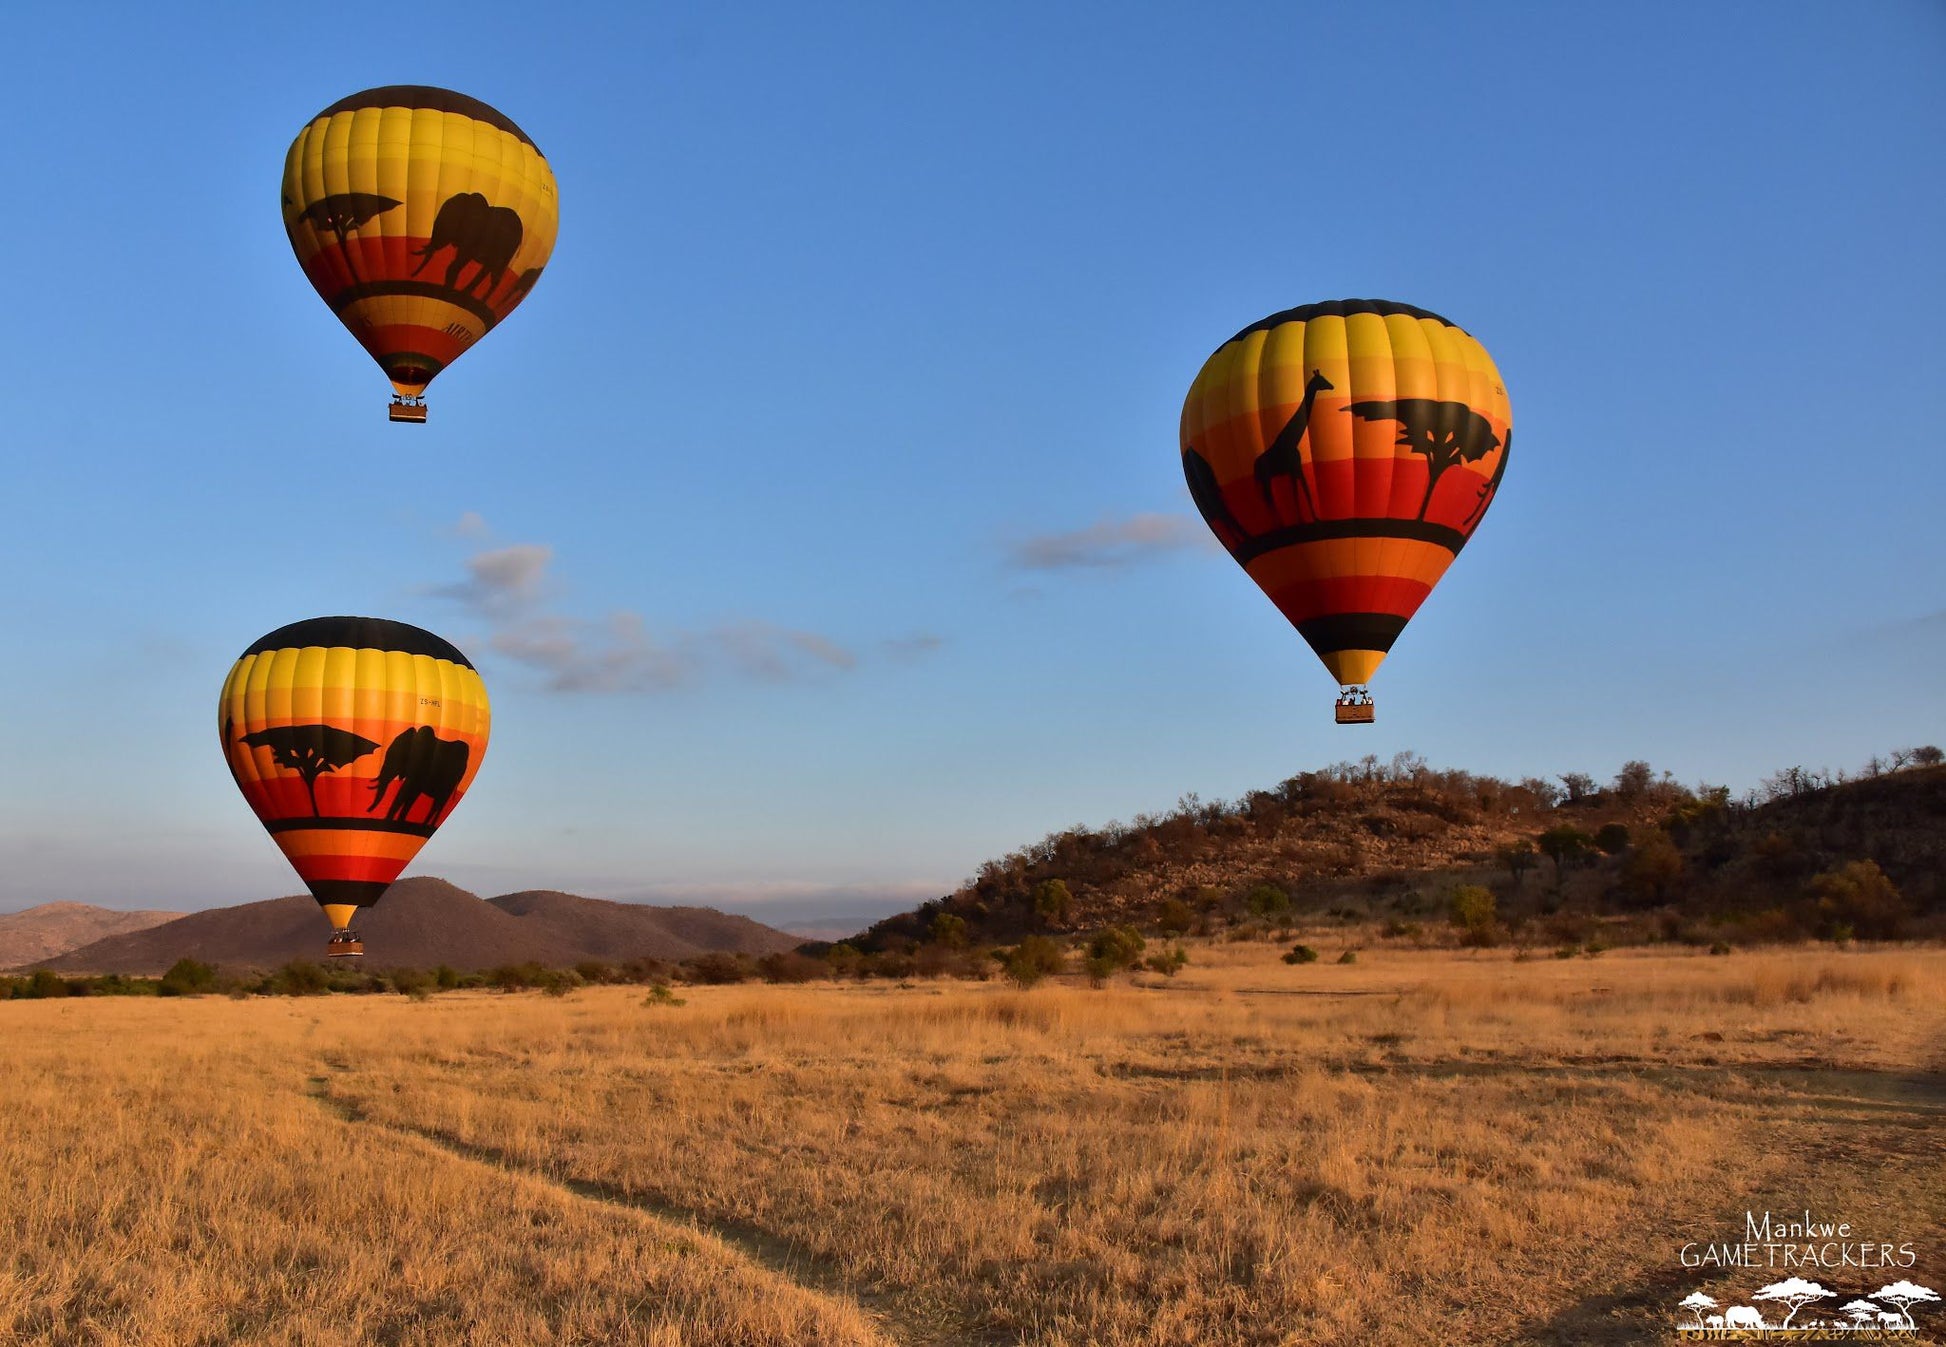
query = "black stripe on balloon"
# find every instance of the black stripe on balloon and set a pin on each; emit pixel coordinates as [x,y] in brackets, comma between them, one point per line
[1351,631]
[1341,308]
[352,892]
[1327,530]
[459,299]
[374,824]
[359,633]
[429,97]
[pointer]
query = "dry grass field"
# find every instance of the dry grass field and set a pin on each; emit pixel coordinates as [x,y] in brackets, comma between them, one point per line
[1420,1147]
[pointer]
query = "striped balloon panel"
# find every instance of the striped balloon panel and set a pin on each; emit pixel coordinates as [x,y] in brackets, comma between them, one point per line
[1344,453]
[352,739]
[423,218]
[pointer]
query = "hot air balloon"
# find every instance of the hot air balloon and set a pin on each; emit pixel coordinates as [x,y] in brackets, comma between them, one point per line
[353,738]
[422,217]
[1344,453]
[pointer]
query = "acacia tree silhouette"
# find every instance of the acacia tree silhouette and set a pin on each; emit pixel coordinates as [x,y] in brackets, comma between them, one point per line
[1696,1303]
[311,751]
[1793,1291]
[1445,432]
[1903,1295]
[345,211]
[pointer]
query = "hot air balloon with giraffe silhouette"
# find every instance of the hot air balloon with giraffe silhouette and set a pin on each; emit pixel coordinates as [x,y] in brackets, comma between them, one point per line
[352,738]
[1343,453]
[422,217]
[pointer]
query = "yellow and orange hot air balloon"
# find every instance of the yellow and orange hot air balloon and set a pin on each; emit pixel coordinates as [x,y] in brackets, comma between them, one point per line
[422,217]
[1344,453]
[352,738]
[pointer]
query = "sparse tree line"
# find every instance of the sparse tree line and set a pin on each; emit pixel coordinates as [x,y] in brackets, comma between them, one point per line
[1100,956]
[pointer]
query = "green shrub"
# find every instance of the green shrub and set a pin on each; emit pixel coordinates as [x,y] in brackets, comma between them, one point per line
[44,985]
[1168,964]
[1053,902]
[661,994]
[1301,954]
[1349,956]
[1612,838]
[1267,900]
[949,930]
[1174,917]
[1472,909]
[187,977]
[1034,958]
[1858,898]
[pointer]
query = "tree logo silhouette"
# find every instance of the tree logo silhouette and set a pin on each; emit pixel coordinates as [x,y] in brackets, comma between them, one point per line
[346,211]
[1445,432]
[311,751]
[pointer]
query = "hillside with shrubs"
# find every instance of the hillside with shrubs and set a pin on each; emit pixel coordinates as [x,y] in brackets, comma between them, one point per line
[1407,852]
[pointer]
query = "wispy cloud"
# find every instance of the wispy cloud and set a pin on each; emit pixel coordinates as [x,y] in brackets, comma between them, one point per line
[917,645]
[1111,543]
[513,591]
[471,524]
[502,580]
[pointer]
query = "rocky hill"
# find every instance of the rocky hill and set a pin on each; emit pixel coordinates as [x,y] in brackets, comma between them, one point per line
[425,922]
[1392,842]
[42,932]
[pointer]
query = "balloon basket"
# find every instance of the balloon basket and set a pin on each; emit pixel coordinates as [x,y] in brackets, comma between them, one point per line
[411,410]
[1355,707]
[345,945]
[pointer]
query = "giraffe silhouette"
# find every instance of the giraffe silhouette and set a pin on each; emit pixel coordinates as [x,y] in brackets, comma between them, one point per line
[1283,455]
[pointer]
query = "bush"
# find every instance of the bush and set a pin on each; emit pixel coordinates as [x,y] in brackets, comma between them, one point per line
[716,968]
[948,930]
[45,985]
[1720,947]
[186,977]
[1053,902]
[790,966]
[844,959]
[1857,899]
[1473,910]
[1168,964]
[660,994]
[1349,956]
[1267,900]
[1301,954]
[1612,838]
[1034,958]
[1174,918]
[298,978]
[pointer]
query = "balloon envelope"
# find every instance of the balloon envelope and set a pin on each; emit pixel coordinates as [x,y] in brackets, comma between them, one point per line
[352,738]
[1344,453]
[422,217]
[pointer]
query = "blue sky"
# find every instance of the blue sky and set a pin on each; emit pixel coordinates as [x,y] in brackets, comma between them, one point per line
[817,523]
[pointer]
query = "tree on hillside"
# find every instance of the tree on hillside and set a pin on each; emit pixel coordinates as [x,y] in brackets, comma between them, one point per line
[1634,780]
[1859,899]
[1612,838]
[1565,845]
[1928,755]
[1580,786]
[1473,911]
[1518,857]
[1053,902]
[1795,1292]
[1653,868]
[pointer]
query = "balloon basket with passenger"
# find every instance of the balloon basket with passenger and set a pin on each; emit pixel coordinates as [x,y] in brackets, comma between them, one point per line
[410,410]
[344,945]
[1355,706]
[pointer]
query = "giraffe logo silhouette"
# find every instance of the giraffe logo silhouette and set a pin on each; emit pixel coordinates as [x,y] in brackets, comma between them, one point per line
[1283,455]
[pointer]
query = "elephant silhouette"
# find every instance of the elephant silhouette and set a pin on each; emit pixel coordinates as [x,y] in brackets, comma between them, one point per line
[518,291]
[488,236]
[423,765]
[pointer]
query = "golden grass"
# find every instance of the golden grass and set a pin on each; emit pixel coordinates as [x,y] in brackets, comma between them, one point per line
[1417,1147]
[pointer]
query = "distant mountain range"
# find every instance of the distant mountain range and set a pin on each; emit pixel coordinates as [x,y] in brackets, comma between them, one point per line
[422,923]
[55,928]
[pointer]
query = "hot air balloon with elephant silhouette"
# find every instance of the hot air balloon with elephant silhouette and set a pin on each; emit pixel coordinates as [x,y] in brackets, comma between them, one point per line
[422,217]
[353,738]
[1343,453]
